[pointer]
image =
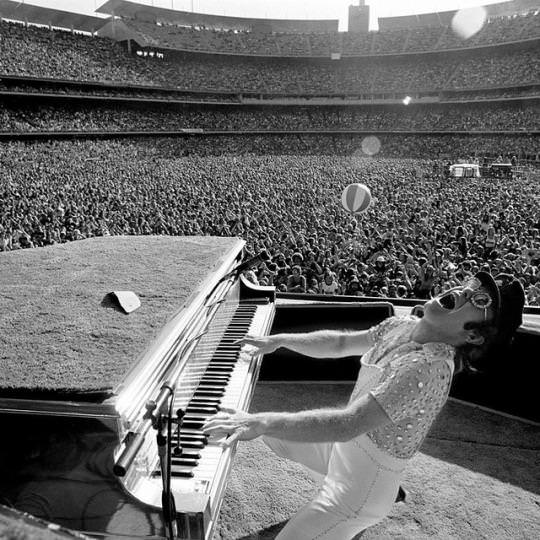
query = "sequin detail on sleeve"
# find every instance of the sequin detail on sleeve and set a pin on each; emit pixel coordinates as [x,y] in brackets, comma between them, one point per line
[377,332]
[411,393]
[405,388]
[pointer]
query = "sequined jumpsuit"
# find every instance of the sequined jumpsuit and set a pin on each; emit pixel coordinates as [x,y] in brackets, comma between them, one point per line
[360,478]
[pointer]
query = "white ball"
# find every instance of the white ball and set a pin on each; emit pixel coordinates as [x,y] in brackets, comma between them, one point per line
[356,198]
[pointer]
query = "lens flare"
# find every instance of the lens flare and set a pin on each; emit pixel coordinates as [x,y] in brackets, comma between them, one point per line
[467,22]
[371,145]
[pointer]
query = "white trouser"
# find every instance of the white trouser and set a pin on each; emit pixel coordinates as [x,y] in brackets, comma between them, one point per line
[359,483]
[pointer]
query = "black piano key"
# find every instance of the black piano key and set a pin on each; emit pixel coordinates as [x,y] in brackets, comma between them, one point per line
[214,382]
[204,402]
[174,473]
[194,422]
[182,474]
[201,392]
[190,454]
[217,364]
[202,410]
[184,462]
[208,386]
[191,424]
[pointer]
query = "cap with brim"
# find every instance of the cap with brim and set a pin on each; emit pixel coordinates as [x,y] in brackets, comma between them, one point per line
[508,300]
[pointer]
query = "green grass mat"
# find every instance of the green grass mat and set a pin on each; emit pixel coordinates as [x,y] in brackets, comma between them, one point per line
[55,334]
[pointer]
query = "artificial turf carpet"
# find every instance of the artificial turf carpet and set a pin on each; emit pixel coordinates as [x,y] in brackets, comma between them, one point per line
[477,476]
[57,333]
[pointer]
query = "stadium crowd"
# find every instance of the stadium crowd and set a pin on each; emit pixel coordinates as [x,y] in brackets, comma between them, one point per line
[387,41]
[38,52]
[51,116]
[101,90]
[422,230]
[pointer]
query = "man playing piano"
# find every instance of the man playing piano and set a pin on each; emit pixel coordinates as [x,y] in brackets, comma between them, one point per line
[360,451]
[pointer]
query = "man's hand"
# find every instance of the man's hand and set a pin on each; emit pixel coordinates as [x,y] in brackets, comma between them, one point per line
[237,425]
[259,344]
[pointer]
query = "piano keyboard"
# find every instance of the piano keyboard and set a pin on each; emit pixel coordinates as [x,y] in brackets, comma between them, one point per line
[219,375]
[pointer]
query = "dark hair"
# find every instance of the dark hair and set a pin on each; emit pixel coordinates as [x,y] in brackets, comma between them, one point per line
[469,357]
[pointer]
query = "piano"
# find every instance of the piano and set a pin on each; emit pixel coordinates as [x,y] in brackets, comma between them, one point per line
[106,454]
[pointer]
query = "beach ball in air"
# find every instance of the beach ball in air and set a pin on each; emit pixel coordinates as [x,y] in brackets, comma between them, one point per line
[356,198]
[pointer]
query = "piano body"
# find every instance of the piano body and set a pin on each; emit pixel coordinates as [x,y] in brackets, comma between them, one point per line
[94,466]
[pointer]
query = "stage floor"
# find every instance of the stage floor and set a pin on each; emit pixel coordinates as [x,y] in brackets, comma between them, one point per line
[477,475]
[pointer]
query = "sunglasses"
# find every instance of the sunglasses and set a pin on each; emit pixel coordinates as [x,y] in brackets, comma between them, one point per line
[479,299]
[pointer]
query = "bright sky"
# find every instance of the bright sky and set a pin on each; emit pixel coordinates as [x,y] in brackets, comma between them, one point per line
[281,9]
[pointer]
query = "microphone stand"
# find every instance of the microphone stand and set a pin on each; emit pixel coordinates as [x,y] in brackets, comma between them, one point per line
[162,421]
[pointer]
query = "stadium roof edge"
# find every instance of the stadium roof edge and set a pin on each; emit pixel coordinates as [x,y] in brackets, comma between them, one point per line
[23,12]
[125,8]
[444,18]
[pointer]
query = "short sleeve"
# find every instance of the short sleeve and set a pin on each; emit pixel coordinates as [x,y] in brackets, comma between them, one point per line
[377,332]
[411,387]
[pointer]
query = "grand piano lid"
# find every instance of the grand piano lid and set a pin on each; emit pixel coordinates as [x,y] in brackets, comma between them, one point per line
[140,260]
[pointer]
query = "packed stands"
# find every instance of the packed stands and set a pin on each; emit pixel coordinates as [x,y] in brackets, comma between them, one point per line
[38,52]
[87,116]
[495,31]
[59,191]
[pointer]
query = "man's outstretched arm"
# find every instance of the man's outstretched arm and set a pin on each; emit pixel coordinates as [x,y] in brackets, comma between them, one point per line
[319,344]
[318,425]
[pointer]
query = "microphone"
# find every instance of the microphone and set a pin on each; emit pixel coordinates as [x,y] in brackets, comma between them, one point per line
[248,263]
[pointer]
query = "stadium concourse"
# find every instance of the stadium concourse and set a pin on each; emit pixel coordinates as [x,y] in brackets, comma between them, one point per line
[258,136]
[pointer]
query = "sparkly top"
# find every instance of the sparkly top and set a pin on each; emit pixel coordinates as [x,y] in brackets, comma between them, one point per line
[410,381]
